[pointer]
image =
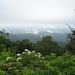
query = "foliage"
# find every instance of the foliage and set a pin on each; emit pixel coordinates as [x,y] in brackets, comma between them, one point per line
[13,50]
[33,63]
[5,42]
[71,44]
[2,47]
[4,55]
[45,60]
[3,72]
[24,44]
[47,46]
[13,46]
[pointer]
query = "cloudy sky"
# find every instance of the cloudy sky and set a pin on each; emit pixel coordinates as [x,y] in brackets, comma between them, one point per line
[37,12]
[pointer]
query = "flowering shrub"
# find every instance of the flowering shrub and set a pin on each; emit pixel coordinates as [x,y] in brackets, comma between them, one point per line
[25,60]
[32,63]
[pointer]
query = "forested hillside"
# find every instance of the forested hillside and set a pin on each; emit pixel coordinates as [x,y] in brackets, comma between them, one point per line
[34,37]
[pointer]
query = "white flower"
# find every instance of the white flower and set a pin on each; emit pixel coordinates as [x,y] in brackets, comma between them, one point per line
[19,59]
[18,54]
[43,57]
[36,55]
[33,51]
[39,53]
[23,52]
[39,56]
[16,70]
[8,58]
[9,68]
[40,61]
[26,50]
[29,52]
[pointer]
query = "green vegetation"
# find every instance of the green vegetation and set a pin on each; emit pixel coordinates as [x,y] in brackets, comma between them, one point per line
[45,57]
[47,46]
[71,44]
[32,63]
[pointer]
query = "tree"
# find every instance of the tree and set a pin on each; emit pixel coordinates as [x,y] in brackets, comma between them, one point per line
[47,46]
[24,44]
[5,41]
[71,44]
[3,33]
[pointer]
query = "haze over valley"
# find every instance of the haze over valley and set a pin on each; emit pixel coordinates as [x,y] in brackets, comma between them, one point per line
[37,32]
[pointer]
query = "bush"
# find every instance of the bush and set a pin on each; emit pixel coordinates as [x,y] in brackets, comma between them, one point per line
[3,72]
[32,63]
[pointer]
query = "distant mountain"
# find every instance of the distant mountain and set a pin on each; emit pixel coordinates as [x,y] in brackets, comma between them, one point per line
[31,37]
[59,37]
[37,32]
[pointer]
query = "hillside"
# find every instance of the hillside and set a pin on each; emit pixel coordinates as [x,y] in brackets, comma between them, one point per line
[59,37]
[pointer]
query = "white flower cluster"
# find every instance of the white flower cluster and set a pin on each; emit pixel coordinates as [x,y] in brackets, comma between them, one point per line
[23,52]
[36,55]
[33,51]
[16,70]
[19,59]
[39,54]
[40,61]
[8,58]
[18,54]
[9,68]
[43,57]
[26,50]
[29,52]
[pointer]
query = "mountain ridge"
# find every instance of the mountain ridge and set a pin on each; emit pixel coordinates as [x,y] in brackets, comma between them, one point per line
[34,37]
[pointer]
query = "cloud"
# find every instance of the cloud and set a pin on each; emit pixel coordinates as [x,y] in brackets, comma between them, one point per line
[49,26]
[36,11]
[49,31]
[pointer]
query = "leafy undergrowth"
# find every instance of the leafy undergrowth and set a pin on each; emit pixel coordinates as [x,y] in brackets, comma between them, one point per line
[32,63]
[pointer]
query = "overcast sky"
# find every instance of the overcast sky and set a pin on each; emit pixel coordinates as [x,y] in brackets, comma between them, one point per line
[37,12]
